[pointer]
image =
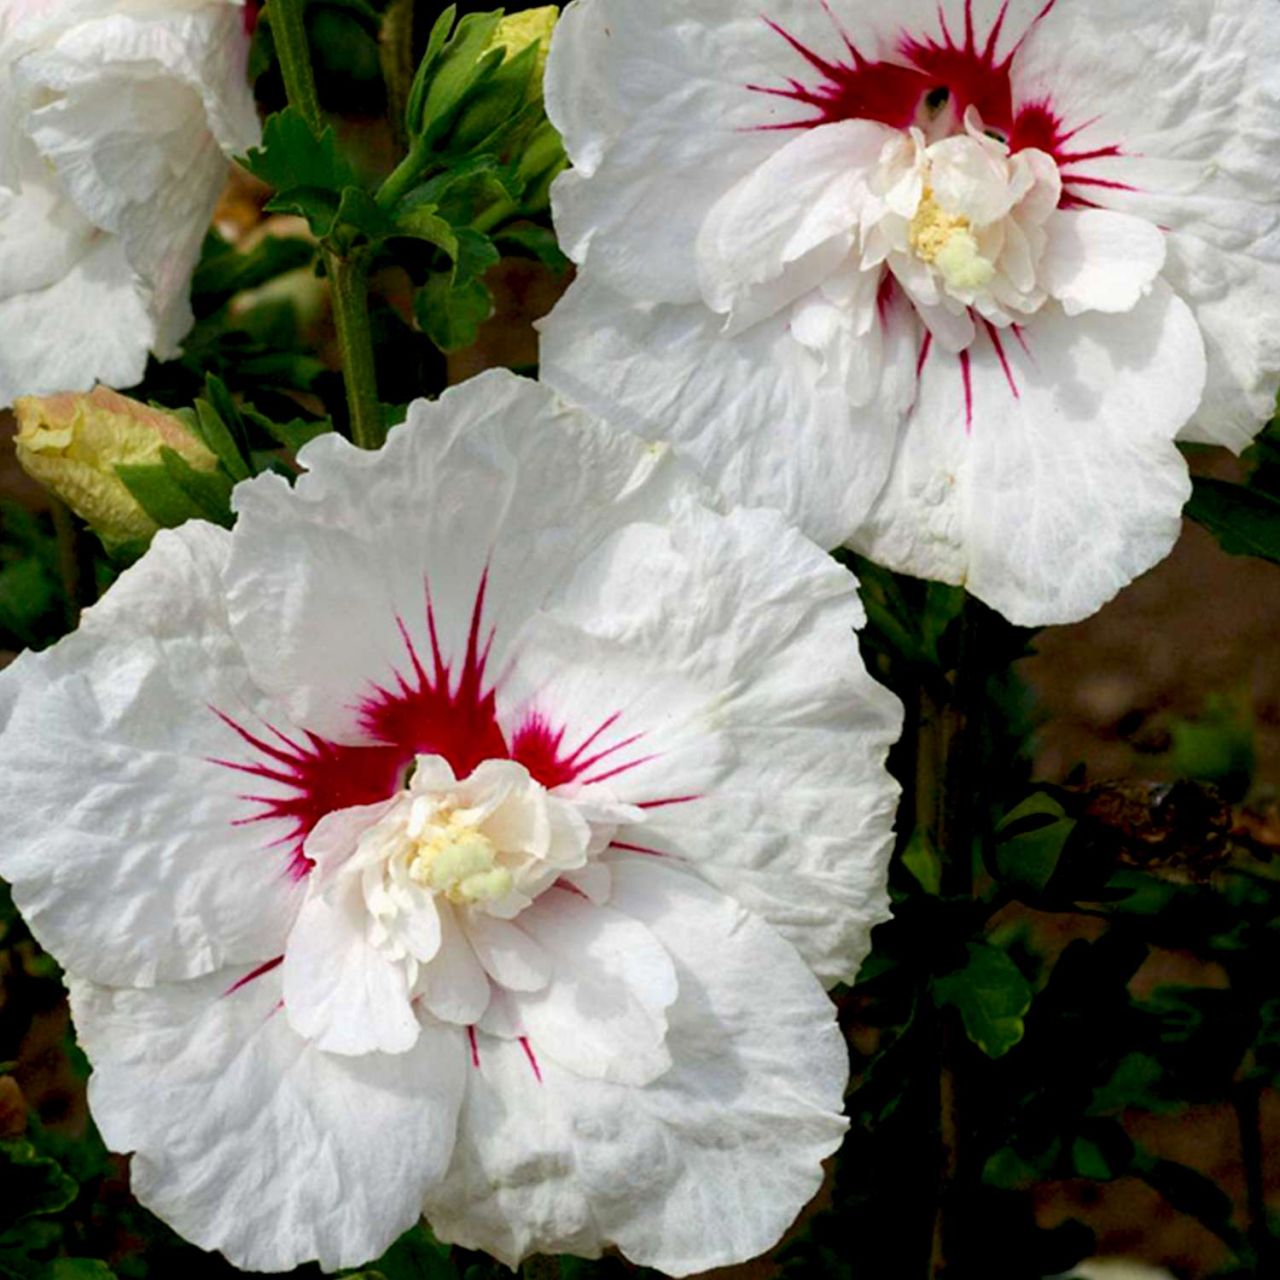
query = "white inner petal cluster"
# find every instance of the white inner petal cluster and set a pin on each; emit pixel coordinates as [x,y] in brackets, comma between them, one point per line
[962,224]
[409,901]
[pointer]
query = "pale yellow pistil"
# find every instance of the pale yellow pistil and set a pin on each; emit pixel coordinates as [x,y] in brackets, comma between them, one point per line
[946,240]
[461,862]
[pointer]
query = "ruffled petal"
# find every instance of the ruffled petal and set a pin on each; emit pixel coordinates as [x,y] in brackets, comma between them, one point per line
[747,729]
[602,1015]
[705,1166]
[1098,260]
[1060,492]
[341,992]
[250,1141]
[759,413]
[1176,108]
[123,836]
[457,497]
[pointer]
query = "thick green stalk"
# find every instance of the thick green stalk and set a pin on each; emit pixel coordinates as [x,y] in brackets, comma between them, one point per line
[289,31]
[347,273]
[349,289]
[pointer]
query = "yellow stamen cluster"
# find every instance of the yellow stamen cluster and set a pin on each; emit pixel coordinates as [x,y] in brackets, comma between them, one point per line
[947,241]
[459,861]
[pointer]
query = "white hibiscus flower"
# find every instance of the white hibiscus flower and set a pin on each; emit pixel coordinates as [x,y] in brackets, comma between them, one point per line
[941,280]
[115,124]
[462,832]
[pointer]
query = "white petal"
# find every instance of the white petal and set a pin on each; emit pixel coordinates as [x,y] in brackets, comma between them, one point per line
[1053,501]
[55,338]
[509,955]
[454,986]
[622,87]
[461,488]
[799,209]
[335,837]
[1098,260]
[340,991]
[753,411]
[252,1142]
[704,1167]
[120,831]
[1187,91]
[763,738]
[602,1014]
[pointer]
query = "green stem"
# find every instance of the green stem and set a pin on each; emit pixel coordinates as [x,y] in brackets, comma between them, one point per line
[289,31]
[404,177]
[349,288]
[348,275]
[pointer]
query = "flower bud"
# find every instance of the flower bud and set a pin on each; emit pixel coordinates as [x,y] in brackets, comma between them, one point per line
[72,444]
[518,31]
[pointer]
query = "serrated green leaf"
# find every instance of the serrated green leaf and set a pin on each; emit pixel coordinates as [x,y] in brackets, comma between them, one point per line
[476,254]
[450,315]
[424,223]
[359,212]
[31,1184]
[307,171]
[991,996]
[1245,521]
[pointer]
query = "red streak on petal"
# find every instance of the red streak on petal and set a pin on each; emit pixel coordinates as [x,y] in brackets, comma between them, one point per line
[319,778]
[533,1061]
[431,713]
[967,377]
[638,848]
[996,342]
[658,804]
[256,973]
[926,345]
[250,13]
[475,1048]
[571,888]
[1022,338]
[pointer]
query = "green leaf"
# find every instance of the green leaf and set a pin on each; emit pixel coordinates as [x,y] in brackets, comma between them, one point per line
[209,492]
[1030,841]
[156,492]
[225,270]
[991,996]
[30,1184]
[921,859]
[533,241]
[476,254]
[424,223]
[1245,521]
[451,315]
[216,434]
[417,1255]
[79,1269]
[291,435]
[361,214]
[307,171]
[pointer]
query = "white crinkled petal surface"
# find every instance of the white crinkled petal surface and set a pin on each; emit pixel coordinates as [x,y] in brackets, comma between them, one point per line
[475,827]
[787,219]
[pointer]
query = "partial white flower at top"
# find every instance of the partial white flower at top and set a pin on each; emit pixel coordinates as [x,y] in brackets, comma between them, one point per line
[941,280]
[115,126]
[462,833]
[1115,1269]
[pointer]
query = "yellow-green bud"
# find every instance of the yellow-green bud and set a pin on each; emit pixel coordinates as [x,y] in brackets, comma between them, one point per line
[72,444]
[532,26]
